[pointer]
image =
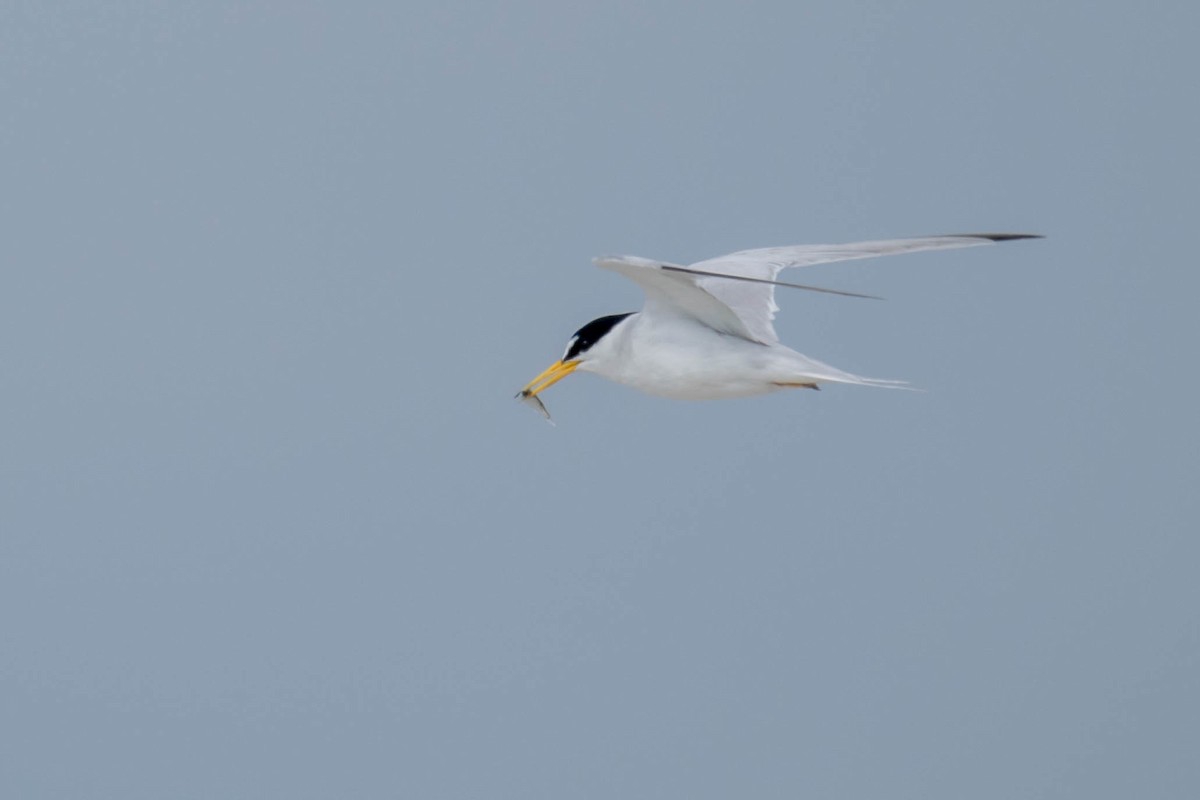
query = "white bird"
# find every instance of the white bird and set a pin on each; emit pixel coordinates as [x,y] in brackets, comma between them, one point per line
[705,330]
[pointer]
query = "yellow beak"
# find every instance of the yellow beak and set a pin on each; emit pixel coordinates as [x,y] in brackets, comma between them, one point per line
[552,375]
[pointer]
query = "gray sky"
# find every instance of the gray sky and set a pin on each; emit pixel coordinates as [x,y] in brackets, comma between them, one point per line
[273,527]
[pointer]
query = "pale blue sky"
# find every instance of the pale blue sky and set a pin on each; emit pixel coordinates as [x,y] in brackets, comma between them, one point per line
[273,527]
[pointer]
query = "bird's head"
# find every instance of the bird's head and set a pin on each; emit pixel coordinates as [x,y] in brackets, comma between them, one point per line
[586,346]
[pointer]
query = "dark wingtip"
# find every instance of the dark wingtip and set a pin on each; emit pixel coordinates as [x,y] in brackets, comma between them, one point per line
[1000,237]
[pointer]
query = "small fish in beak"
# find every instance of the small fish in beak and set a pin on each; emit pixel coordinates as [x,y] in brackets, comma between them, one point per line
[529,398]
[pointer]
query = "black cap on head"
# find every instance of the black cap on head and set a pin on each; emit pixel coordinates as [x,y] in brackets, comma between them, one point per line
[591,333]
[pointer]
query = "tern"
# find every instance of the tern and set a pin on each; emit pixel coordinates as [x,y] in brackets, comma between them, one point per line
[705,330]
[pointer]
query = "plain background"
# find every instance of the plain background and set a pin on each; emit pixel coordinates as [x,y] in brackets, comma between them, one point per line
[273,527]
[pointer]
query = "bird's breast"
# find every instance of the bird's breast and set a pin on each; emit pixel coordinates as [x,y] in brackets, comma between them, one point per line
[691,362]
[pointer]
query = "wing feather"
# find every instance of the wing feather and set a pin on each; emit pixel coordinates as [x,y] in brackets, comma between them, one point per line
[754,302]
[735,293]
[676,292]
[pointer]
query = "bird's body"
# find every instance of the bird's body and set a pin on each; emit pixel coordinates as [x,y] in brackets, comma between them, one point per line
[677,357]
[705,331]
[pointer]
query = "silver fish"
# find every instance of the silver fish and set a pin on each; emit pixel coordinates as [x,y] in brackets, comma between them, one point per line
[529,398]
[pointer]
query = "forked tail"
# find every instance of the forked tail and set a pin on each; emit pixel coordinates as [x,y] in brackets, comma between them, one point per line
[814,373]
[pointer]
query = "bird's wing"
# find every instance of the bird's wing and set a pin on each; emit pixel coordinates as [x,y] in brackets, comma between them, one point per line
[671,290]
[744,282]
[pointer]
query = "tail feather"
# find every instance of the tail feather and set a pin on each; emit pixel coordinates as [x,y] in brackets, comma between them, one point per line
[813,371]
[878,383]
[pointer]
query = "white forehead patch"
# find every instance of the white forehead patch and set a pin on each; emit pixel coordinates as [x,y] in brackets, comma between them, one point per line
[570,343]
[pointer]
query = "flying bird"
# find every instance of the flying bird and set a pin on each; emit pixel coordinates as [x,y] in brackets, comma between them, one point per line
[705,330]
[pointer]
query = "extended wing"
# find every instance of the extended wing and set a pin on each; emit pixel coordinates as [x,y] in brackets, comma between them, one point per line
[743,283]
[671,290]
